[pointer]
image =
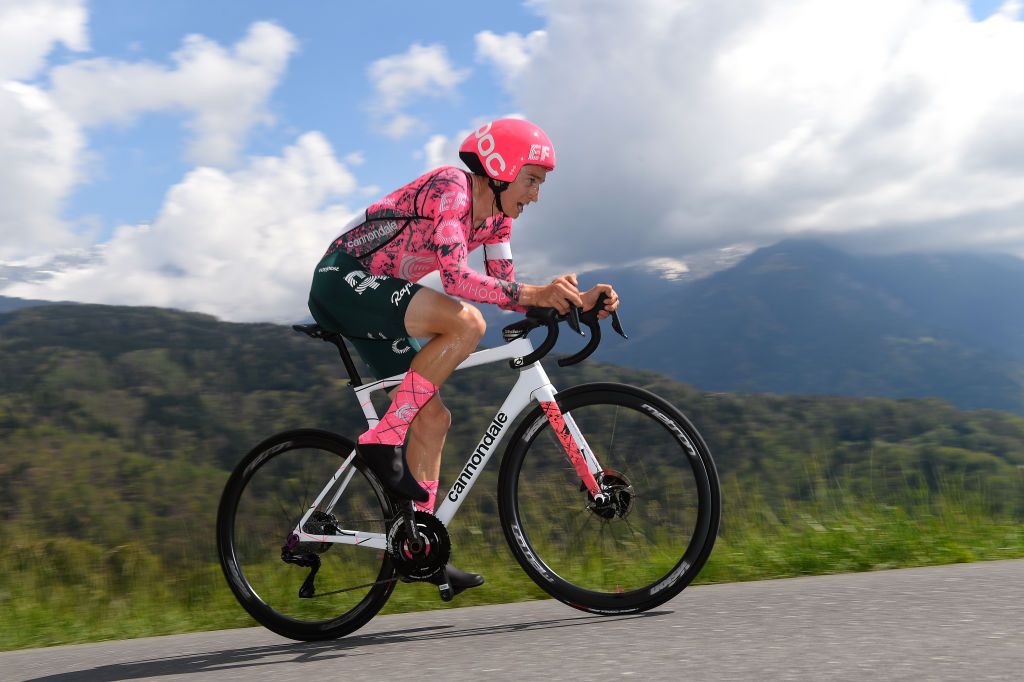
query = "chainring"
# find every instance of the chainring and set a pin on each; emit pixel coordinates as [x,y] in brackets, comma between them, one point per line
[433,555]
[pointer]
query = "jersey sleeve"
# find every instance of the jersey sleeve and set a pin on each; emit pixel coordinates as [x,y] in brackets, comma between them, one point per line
[498,262]
[457,278]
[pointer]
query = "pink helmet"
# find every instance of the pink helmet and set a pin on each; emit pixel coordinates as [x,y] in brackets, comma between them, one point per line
[501,148]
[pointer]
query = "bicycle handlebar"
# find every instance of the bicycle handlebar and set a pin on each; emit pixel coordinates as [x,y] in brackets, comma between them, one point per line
[549,318]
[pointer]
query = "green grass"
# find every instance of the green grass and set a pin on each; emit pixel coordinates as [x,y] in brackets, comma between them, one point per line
[62,591]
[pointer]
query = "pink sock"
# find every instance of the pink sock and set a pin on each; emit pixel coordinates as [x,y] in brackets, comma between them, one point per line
[413,393]
[430,487]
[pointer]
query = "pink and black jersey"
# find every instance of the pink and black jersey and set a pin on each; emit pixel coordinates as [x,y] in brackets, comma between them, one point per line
[428,225]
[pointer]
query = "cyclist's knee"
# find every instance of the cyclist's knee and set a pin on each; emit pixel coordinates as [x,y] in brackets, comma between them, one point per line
[471,323]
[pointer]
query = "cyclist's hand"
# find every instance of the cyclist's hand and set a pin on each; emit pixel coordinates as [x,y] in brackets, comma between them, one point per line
[610,303]
[560,294]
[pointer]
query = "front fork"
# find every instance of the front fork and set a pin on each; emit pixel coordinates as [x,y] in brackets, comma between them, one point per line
[576,448]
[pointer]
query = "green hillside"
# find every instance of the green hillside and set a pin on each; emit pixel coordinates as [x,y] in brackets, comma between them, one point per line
[118,427]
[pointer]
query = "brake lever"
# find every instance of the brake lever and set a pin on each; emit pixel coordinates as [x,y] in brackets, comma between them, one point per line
[574,320]
[617,325]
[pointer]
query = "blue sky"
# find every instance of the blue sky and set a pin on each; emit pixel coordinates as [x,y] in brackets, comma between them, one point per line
[161,152]
[326,87]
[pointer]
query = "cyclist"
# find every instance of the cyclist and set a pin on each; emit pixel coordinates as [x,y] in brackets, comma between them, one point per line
[365,288]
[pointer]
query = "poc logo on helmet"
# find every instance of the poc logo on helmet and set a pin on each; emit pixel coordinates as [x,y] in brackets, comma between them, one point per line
[485,146]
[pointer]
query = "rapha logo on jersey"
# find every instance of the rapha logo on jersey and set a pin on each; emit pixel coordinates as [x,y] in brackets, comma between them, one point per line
[539,152]
[397,296]
[404,411]
[483,450]
[329,268]
[401,346]
[485,146]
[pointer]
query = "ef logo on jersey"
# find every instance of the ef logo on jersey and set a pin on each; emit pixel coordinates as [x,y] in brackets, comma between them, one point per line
[485,146]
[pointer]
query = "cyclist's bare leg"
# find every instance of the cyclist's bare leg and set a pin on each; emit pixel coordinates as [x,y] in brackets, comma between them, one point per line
[426,440]
[454,330]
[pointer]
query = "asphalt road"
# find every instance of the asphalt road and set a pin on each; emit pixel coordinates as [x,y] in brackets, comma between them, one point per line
[961,622]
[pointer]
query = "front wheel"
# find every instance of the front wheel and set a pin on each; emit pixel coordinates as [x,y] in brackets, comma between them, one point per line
[643,545]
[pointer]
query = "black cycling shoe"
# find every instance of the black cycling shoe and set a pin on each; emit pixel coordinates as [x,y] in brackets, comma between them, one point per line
[459,580]
[388,463]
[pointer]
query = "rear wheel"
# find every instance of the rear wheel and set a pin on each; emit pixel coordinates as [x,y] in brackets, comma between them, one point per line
[263,501]
[649,540]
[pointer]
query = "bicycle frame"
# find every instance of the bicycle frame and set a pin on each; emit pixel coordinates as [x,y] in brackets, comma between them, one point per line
[533,385]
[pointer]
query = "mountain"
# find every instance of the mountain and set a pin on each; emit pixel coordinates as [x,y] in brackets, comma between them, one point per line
[8,303]
[120,397]
[800,317]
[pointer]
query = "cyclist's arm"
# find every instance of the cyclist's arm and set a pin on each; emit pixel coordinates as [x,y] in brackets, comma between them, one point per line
[457,278]
[499,264]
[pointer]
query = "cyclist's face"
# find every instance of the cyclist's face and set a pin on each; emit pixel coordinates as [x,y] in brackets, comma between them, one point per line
[525,189]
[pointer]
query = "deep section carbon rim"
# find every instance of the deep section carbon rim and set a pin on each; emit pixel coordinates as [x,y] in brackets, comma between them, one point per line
[264,500]
[650,540]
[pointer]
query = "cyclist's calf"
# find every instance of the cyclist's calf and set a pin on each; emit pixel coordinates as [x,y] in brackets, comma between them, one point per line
[433,420]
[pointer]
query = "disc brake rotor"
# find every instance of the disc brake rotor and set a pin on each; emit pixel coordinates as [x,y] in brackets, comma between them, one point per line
[620,495]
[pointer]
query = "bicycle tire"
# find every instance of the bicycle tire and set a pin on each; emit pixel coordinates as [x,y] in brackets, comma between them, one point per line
[620,583]
[233,551]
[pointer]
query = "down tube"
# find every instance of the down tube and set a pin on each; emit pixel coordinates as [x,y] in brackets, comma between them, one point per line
[530,379]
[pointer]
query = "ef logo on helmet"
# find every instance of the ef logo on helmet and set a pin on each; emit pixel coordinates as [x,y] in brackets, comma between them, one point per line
[485,146]
[539,152]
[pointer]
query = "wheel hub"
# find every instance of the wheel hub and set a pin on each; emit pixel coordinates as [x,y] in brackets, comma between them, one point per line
[618,493]
[319,523]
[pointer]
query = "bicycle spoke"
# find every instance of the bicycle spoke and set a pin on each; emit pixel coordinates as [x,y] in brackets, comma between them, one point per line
[611,438]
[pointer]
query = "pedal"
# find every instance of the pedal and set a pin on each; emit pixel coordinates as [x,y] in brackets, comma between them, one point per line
[445,586]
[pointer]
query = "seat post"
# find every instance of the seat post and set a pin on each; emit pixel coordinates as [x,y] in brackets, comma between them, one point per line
[350,367]
[317,332]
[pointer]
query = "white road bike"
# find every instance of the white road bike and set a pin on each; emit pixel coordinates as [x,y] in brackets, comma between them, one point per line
[607,496]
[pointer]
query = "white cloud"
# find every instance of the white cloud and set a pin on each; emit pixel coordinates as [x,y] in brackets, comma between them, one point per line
[40,155]
[240,245]
[422,71]
[510,53]
[223,91]
[42,144]
[440,151]
[401,125]
[686,125]
[29,30]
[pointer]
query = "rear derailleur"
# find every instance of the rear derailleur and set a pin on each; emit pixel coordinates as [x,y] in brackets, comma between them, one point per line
[307,554]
